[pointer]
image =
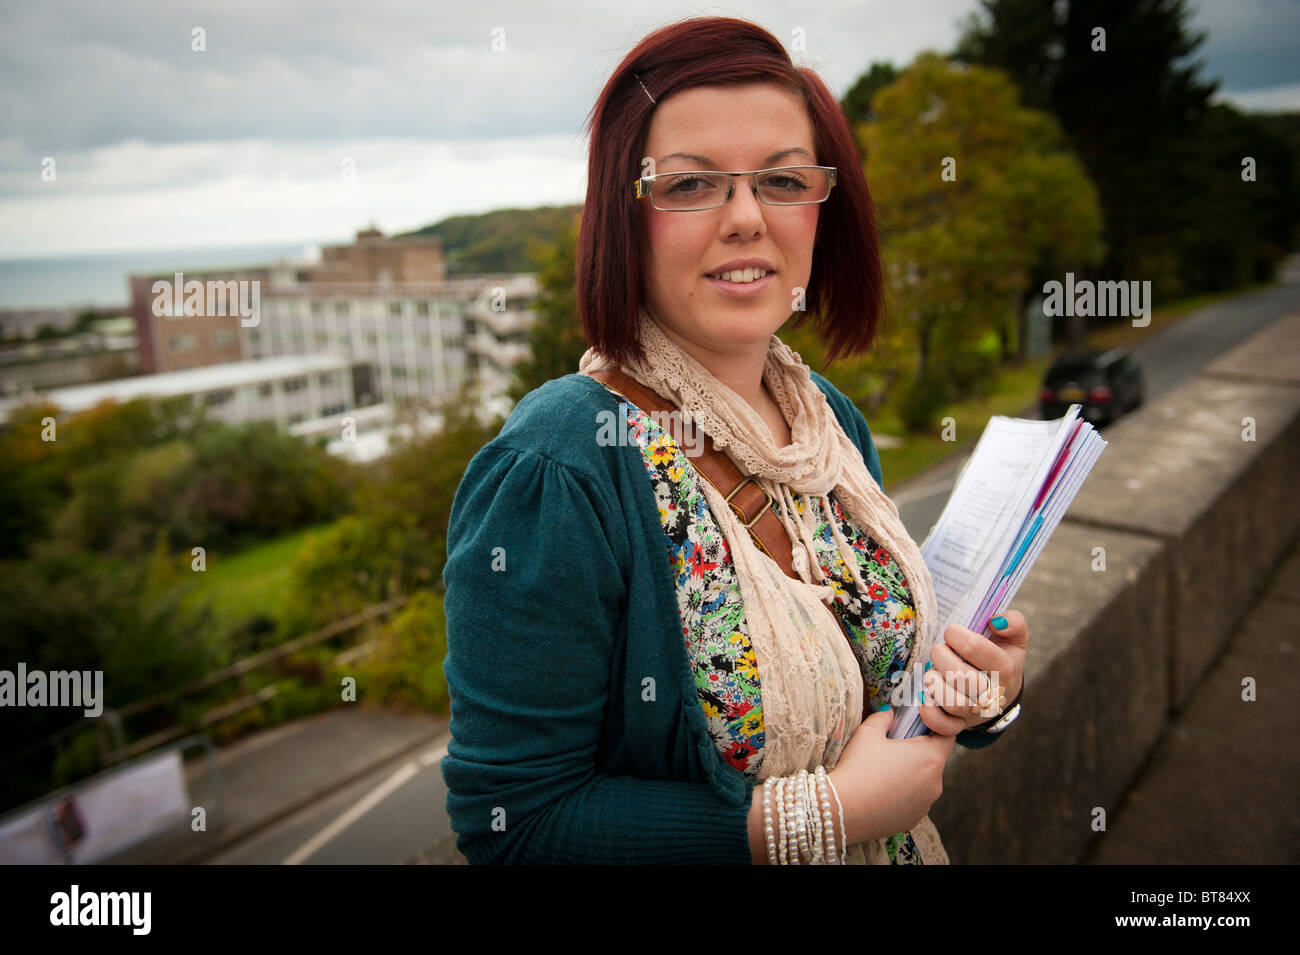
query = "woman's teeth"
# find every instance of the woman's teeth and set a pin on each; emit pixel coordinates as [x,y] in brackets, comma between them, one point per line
[741,275]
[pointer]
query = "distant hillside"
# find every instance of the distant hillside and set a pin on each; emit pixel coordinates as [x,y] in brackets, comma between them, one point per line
[498,241]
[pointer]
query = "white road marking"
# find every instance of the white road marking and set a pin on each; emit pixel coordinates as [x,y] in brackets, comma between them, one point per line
[368,802]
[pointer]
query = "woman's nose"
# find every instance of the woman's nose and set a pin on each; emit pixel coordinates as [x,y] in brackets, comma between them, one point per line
[744,208]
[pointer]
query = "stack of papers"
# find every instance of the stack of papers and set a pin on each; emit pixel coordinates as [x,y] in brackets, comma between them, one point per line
[1010,495]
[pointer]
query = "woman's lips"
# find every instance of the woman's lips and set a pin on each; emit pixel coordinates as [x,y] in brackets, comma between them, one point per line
[741,289]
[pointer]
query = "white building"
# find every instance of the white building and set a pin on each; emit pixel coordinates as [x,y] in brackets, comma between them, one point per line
[285,390]
[424,339]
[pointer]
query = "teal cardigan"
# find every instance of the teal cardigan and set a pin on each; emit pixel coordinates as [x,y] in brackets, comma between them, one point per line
[576,729]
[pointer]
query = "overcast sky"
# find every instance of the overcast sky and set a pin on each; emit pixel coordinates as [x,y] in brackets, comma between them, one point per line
[157,145]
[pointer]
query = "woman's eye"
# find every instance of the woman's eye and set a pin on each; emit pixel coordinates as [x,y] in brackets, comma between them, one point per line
[694,182]
[786,183]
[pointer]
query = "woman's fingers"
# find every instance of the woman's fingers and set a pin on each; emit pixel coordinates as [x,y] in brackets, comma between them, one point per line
[939,721]
[976,652]
[956,672]
[1016,633]
[946,696]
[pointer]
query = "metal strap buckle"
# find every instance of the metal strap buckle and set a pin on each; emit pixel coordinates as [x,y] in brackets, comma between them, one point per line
[767,502]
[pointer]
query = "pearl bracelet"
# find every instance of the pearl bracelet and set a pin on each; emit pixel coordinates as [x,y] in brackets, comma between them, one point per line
[803,831]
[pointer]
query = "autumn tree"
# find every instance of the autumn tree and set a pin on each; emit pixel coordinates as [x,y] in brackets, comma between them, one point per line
[973,192]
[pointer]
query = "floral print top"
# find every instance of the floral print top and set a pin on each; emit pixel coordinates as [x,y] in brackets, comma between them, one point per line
[881,622]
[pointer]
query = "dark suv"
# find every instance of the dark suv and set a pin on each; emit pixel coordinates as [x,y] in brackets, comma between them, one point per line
[1107,383]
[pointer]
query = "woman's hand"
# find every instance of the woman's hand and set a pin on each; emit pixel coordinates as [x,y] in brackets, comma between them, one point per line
[887,785]
[963,666]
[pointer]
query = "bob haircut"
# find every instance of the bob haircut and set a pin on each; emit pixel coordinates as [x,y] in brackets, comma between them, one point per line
[845,288]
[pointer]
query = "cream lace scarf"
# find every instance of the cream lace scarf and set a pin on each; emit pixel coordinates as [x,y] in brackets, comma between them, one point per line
[812,689]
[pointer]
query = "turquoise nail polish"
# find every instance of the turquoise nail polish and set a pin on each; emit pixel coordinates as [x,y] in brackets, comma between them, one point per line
[923,696]
[928,664]
[999,623]
[882,707]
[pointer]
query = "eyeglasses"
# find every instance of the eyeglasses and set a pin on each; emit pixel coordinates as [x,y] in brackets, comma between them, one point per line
[698,190]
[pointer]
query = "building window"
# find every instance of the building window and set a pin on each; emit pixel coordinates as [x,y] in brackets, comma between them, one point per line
[265,389]
[329,379]
[421,308]
[182,342]
[394,308]
[297,417]
[219,397]
[292,385]
[318,308]
[224,338]
[341,308]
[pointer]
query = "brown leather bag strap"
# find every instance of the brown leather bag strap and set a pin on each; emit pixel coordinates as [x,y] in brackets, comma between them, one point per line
[743,494]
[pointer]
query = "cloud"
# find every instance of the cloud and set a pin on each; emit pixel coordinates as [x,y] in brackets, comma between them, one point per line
[155,142]
[136,196]
[1276,99]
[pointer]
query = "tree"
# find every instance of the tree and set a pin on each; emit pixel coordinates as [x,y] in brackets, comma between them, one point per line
[556,341]
[973,190]
[1137,114]
[856,103]
[396,542]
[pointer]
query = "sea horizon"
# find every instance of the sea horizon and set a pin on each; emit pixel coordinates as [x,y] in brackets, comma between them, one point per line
[100,280]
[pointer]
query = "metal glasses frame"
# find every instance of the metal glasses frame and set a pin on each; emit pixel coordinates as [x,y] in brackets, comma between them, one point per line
[641,187]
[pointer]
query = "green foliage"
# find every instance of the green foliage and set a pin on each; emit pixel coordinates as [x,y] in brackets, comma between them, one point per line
[498,241]
[355,563]
[255,481]
[250,589]
[920,400]
[973,191]
[1166,162]
[76,611]
[77,758]
[556,341]
[856,103]
[403,670]
[132,470]
[396,540]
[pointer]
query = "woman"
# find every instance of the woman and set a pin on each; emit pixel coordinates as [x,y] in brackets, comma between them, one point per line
[631,679]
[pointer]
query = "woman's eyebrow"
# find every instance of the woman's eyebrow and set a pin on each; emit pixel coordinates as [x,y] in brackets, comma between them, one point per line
[775,157]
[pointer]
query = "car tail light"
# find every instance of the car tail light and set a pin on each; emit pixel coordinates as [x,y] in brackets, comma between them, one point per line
[1100,394]
[1046,394]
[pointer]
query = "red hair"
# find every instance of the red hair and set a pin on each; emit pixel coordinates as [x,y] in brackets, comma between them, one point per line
[845,288]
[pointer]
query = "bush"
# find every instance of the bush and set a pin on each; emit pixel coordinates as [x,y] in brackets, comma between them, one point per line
[404,669]
[921,401]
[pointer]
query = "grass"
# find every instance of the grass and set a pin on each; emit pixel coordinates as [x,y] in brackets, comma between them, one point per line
[252,581]
[1011,393]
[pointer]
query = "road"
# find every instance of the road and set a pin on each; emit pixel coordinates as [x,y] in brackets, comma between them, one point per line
[1168,359]
[384,818]
[395,813]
